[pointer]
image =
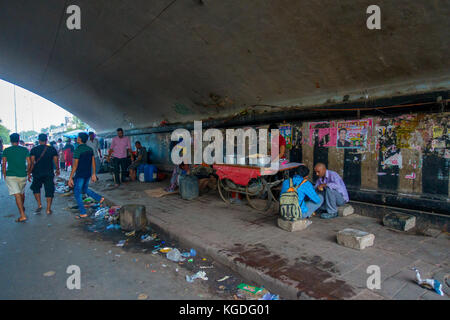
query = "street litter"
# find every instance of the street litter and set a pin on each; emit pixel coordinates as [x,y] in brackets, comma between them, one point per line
[270,296]
[186,254]
[174,255]
[191,260]
[200,275]
[193,253]
[155,252]
[121,243]
[130,234]
[431,284]
[223,279]
[165,250]
[49,274]
[113,226]
[146,238]
[164,266]
[142,297]
[206,267]
[251,289]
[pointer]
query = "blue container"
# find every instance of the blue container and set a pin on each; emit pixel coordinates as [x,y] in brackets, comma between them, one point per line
[150,173]
[188,187]
[140,169]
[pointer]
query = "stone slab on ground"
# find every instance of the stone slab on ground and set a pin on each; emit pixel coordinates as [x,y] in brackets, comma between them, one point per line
[293,226]
[355,239]
[399,221]
[133,217]
[346,210]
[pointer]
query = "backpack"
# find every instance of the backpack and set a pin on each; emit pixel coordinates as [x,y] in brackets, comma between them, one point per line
[290,210]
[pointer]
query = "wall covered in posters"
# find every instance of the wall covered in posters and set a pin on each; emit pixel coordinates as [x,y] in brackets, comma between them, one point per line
[322,134]
[404,153]
[353,134]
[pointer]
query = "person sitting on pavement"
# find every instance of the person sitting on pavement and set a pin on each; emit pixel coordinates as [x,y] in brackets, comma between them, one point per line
[141,158]
[333,189]
[44,160]
[308,199]
[16,165]
[204,174]
[83,171]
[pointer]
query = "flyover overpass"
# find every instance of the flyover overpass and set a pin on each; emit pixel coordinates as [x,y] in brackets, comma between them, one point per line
[137,63]
[149,66]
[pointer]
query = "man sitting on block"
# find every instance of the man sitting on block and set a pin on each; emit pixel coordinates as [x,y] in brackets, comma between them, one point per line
[333,189]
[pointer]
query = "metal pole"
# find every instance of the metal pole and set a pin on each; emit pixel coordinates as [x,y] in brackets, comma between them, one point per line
[15,109]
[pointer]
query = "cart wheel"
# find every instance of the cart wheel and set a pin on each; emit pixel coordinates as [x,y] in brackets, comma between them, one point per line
[225,195]
[261,200]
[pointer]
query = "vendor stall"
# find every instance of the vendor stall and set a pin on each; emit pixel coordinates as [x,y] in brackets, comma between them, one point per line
[257,183]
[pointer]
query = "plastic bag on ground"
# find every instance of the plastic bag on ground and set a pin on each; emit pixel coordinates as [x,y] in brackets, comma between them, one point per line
[431,284]
[174,255]
[200,274]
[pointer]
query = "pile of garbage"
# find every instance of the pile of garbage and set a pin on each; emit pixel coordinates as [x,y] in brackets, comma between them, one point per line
[61,187]
[111,214]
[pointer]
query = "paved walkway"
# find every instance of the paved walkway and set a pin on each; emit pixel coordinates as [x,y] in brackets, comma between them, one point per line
[305,264]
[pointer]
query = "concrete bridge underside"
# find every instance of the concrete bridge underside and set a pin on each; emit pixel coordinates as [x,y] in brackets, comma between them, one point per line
[136,63]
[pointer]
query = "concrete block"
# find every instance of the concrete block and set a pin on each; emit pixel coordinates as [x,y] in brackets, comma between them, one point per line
[133,217]
[346,210]
[399,221]
[293,226]
[355,239]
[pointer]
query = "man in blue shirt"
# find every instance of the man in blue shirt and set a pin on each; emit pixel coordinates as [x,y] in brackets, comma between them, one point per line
[308,199]
[82,172]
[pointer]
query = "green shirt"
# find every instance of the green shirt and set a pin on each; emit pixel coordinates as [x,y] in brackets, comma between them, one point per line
[16,156]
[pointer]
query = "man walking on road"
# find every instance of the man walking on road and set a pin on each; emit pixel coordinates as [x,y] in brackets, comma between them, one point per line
[119,147]
[19,164]
[43,159]
[95,146]
[83,171]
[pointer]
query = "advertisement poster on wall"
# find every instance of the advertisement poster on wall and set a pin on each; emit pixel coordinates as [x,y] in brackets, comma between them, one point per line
[353,134]
[286,132]
[322,134]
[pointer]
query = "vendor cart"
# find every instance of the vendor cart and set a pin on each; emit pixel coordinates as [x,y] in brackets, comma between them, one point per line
[257,183]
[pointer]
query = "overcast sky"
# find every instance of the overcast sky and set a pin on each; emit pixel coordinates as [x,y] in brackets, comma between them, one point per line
[29,107]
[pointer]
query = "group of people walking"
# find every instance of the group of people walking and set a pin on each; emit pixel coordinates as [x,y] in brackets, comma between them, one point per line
[40,166]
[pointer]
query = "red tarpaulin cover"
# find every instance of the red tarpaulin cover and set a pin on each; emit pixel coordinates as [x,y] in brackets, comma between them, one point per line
[239,175]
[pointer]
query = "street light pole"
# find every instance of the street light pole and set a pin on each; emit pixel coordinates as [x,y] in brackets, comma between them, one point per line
[15,109]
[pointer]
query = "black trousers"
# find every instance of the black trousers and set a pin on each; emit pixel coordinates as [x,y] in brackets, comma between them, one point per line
[120,165]
[48,183]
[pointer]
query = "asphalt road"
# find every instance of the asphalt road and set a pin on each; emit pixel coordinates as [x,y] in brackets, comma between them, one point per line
[53,243]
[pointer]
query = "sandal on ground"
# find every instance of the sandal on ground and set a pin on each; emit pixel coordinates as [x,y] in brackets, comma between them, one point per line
[50,212]
[81,216]
[21,220]
[38,210]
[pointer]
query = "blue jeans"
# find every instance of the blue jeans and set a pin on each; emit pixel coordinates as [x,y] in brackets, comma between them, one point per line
[312,206]
[81,186]
[333,200]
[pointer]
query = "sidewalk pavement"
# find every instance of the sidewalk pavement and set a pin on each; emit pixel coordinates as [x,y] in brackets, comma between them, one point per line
[308,264]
